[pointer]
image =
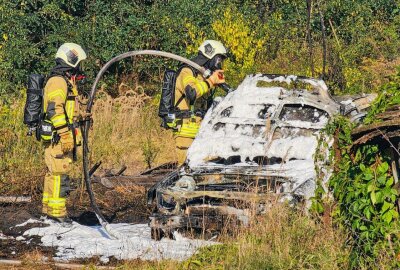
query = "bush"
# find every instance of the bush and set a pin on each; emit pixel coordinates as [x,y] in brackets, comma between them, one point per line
[263,35]
[363,188]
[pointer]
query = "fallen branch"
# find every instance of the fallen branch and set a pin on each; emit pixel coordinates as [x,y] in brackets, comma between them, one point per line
[15,199]
[60,265]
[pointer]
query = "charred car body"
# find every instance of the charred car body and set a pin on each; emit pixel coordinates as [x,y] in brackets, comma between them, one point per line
[256,145]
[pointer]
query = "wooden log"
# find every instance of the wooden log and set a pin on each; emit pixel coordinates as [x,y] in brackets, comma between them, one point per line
[56,264]
[388,115]
[15,199]
[145,181]
[385,124]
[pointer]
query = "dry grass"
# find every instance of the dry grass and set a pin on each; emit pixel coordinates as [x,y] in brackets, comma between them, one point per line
[33,257]
[21,157]
[379,70]
[126,130]
[284,238]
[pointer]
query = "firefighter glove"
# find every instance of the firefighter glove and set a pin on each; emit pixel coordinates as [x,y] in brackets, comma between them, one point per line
[190,93]
[67,142]
[216,78]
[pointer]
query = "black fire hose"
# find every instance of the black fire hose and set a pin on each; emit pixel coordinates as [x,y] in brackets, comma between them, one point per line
[86,127]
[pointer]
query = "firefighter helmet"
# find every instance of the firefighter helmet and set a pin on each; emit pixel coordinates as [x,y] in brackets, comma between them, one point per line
[211,48]
[72,54]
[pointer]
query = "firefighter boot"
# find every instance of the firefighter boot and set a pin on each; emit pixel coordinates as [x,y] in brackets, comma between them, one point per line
[56,181]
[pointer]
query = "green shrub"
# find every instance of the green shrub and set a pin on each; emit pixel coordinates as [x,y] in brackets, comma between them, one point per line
[363,187]
[273,39]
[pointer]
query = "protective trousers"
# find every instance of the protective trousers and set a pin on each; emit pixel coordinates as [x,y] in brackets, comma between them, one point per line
[182,145]
[185,136]
[56,182]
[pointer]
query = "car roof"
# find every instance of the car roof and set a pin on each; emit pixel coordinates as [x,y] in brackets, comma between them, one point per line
[245,130]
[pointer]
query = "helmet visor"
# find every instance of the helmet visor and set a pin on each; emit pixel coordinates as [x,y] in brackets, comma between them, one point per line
[217,62]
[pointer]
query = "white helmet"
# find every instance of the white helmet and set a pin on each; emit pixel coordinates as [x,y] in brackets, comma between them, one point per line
[71,53]
[211,48]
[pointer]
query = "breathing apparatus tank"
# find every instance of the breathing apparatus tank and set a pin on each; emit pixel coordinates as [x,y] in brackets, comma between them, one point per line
[167,100]
[34,101]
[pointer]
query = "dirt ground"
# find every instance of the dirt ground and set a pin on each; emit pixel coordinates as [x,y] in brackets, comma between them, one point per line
[119,205]
[11,215]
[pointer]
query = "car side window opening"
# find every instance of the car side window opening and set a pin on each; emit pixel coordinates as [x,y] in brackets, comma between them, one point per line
[305,113]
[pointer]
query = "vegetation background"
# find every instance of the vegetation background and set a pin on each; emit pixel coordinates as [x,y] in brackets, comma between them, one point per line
[354,45]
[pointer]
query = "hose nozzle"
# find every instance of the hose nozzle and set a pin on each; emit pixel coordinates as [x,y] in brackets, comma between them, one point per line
[226,87]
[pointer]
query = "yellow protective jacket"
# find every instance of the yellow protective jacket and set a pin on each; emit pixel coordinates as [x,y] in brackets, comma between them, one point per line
[60,105]
[190,126]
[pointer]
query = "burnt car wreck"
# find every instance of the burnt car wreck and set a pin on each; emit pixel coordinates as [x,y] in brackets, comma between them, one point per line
[385,133]
[255,146]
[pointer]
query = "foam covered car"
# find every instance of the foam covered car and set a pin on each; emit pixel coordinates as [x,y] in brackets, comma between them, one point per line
[256,145]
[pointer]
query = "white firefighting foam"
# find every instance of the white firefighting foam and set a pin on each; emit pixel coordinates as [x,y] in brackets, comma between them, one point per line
[79,241]
[245,134]
[2,236]
[241,126]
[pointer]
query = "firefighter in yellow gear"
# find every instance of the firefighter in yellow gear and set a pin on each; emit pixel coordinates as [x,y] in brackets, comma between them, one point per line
[192,91]
[61,111]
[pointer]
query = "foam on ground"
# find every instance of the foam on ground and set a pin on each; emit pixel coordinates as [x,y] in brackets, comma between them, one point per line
[79,242]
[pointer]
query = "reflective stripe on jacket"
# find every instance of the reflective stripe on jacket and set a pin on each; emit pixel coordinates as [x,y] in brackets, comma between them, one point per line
[60,105]
[185,78]
[190,126]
